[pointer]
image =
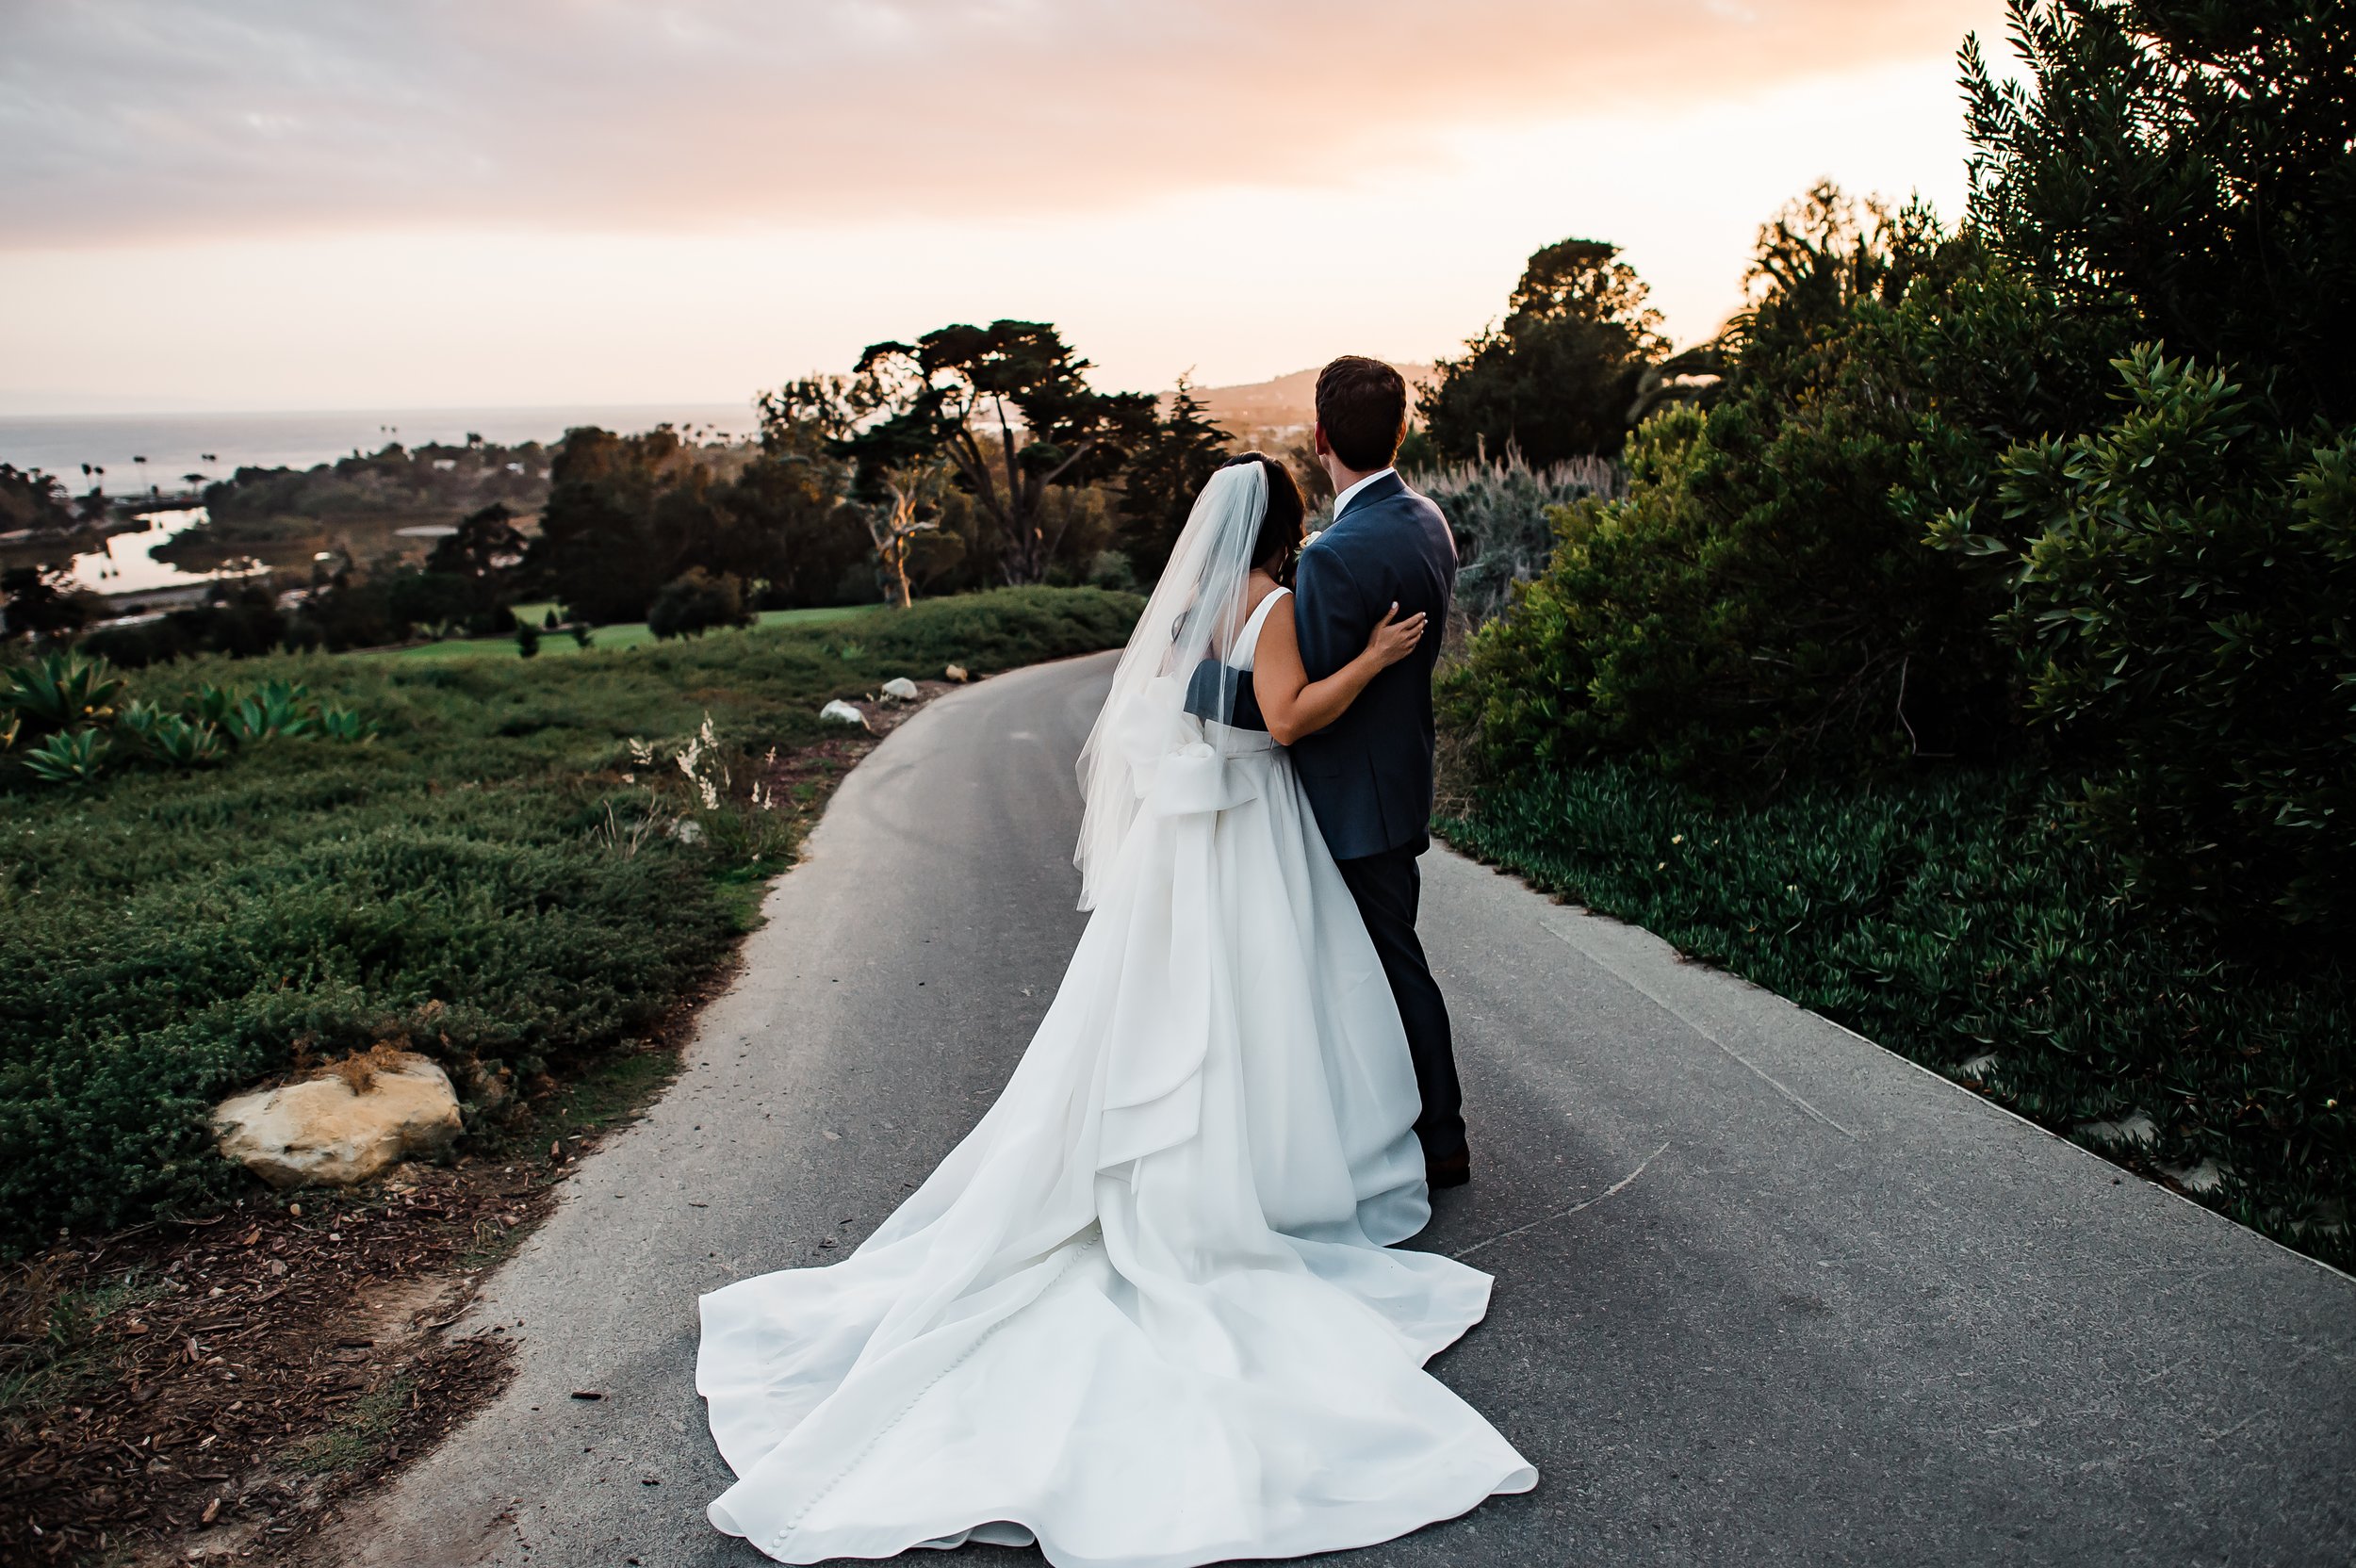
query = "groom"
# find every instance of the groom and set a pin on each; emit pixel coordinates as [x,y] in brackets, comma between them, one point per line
[1368,774]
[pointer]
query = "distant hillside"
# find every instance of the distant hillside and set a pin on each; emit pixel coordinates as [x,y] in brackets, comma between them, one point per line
[1286,404]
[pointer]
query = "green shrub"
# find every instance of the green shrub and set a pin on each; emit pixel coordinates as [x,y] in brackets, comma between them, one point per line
[2186,165]
[1960,922]
[697,602]
[1762,603]
[2185,602]
[170,936]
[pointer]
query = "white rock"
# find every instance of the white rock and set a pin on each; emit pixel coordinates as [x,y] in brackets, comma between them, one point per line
[901,687]
[843,712]
[2203,1178]
[956,673]
[320,1133]
[2134,1127]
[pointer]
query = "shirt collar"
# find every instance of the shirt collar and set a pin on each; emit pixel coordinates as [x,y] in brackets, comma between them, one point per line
[1344,498]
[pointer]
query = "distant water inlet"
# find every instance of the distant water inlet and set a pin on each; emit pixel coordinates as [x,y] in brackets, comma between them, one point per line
[127,563]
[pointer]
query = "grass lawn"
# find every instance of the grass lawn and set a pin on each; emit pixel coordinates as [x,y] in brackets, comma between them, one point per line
[1954,920]
[608,639]
[500,878]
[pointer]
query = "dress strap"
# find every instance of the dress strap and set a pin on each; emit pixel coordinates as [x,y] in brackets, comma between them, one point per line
[1248,645]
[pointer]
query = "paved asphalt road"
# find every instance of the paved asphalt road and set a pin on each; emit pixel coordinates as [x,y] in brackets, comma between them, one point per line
[1766,1294]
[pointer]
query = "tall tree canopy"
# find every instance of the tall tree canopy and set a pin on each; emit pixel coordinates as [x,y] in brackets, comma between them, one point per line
[1559,377]
[1169,467]
[2188,163]
[1009,407]
[627,514]
[31,499]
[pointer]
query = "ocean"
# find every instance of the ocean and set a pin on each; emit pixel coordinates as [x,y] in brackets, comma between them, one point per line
[176,444]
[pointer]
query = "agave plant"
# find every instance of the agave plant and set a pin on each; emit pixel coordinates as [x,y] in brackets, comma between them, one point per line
[273,709]
[213,705]
[139,718]
[342,724]
[172,738]
[62,690]
[69,757]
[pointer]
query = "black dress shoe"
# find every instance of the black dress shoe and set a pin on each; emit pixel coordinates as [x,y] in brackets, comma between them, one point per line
[1447,1170]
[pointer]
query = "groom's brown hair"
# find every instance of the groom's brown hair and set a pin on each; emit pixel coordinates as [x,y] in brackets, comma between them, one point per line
[1362,405]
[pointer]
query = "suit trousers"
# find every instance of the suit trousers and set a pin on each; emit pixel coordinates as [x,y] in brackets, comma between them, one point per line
[1387,887]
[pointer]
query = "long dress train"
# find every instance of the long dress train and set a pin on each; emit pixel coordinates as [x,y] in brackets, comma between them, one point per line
[1146,1312]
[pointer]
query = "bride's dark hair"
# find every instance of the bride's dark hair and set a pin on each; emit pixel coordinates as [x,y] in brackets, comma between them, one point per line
[1279,542]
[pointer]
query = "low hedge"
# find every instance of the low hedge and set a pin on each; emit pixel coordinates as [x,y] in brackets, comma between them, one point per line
[461,881]
[1955,920]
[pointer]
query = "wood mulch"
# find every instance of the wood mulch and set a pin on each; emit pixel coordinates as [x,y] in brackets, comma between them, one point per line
[211,1390]
[249,1367]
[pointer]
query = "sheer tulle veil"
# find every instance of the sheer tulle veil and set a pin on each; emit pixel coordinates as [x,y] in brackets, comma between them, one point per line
[1196,612]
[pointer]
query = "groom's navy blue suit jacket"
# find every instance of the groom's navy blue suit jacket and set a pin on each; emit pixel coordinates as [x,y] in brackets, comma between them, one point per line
[1369,774]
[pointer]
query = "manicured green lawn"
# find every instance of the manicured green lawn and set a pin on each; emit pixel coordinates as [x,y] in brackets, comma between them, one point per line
[607,639]
[506,878]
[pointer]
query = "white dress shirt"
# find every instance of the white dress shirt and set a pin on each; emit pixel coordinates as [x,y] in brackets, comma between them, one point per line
[1343,499]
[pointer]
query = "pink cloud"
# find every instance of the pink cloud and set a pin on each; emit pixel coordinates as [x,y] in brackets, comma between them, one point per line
[123,120]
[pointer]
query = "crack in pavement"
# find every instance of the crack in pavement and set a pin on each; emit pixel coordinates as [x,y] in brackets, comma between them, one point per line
[1613,1191]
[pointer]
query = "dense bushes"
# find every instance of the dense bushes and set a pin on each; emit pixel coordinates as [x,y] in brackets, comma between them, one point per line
[2187,616]
[2052,497]
[1763,602]
[2188,166]
[480,880]
[2145,596]
[1956,919]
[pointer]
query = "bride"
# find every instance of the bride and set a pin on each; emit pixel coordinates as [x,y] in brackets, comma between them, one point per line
[1148,1313]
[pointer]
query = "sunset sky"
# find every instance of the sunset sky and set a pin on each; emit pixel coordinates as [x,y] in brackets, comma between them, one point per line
[312,203]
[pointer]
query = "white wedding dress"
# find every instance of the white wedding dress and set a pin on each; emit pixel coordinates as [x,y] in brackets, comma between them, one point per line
[1146,1312]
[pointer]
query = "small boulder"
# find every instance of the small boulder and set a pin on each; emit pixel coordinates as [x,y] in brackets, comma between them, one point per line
[843,712]
[326,1132]
[900,689]
[956,673]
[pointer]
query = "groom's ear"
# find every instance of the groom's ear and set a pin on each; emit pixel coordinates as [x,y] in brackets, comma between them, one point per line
[1316,434]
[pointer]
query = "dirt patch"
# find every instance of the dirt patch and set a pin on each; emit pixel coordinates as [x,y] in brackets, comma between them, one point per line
[214,1390]
[804,774]
[210,1389]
